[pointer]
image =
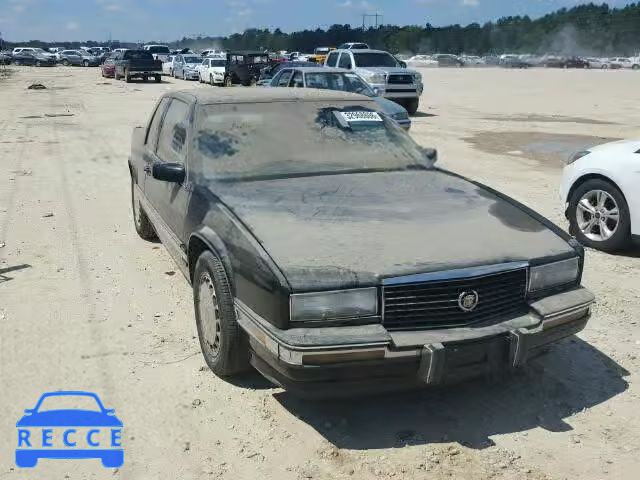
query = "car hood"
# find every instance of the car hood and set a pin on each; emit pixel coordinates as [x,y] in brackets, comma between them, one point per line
[343,231]
[622,146]
[69,418]
[388,70]
[389,107]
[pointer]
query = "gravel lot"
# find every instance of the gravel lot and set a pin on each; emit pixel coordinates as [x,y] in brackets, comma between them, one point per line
[85,304]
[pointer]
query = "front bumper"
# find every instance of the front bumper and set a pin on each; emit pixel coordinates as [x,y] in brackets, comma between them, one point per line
[359,359]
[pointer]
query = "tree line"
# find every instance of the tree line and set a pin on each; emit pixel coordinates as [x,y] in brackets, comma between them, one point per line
[591,29]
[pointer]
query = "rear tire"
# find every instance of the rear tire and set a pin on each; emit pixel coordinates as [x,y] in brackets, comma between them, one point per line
[145,79]
[85,63]
[127,77]
[622,235]
[224,345]
[228,82]
[158,78]
[141,221]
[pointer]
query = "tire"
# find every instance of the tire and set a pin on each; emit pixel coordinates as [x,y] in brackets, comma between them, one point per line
[85,63]
[228,355]
[141,221]
[412,105]
[228,81]
[184,75]
[17,63]
[145,79]
[127,77]
[621,235]
[253,82]
[635,67]
[38,63]
[158,78]
[211,80]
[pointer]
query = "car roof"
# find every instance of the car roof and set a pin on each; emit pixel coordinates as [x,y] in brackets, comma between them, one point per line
[262,95]
[320,69]
[363,50]
[246,52]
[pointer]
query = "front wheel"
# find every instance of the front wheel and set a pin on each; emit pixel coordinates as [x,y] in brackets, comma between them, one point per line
[412,105]
[141,221]
[635,67]
[85,63]
[228,82]
[158,78]
[223,343]
[599,216]
[127,77]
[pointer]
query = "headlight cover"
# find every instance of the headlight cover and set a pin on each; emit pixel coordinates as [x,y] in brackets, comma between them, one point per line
[400,116]
[417,77]
[374,77]
[577,156]
[554,274]
[357,302]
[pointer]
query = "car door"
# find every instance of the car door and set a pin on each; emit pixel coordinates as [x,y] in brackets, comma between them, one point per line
[170,200]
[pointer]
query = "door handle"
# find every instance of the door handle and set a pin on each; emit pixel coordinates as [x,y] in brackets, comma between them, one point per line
[147,168]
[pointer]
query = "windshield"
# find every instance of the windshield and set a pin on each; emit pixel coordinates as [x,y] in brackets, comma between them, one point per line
[345,82]
[69,402]
[322,50]
[218,63]
[374,60]
[244,141]
[192,59]
[137,55]
[158,49]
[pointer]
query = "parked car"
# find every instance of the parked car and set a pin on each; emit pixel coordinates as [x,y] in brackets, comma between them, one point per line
[327,78]
[472,60]
[554,62]
[185,66]
[6,58]
[601,63]
[33,51]
[320,55]
[33,59]
[601,195]
[137,64]
[576,62]
[623,62]
[384,73]
[167,66]
[354,46]
[422,61]
[448,60]
[267,73]
[211,71]
[78,57]
[514,62]
[244,67]
[252,223]
[108,67]
[159,52]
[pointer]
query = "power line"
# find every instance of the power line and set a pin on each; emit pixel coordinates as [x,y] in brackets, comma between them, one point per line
[365,16]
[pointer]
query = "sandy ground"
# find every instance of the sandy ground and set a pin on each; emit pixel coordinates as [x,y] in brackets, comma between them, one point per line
[85,304]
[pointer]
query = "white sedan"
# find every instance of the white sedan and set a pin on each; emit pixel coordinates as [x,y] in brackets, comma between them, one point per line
[600,191]
[211,70]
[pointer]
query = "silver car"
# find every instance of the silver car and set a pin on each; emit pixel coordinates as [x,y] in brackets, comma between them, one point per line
[185,66]
[326,78]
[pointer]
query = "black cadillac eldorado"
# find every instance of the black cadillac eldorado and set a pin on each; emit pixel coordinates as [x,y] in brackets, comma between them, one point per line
[327,250]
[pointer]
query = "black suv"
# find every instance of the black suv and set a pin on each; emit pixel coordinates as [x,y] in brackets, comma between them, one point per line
[244,67]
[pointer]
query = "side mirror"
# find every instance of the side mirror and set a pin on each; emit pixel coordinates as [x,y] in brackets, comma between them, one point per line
[403,64]
[430,155]
[168,172]
[28,410]
[109,411]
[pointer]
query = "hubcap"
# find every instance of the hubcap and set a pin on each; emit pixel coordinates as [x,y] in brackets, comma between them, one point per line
[598,215]
[137,215]
[209,314]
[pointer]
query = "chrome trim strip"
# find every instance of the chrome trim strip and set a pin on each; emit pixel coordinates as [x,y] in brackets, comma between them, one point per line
[258,322]
[568,311]
[460,273]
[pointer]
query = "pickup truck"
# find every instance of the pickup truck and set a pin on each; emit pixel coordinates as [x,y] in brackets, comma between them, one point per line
[137,64]
[384,73]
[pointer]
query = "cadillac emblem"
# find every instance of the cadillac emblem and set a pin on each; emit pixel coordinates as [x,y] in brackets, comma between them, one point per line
[468,301]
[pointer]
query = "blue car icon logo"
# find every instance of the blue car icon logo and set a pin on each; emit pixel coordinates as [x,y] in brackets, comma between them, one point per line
[51,430]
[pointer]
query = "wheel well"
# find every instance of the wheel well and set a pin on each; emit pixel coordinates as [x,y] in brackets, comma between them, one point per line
[196,247]
[591,176]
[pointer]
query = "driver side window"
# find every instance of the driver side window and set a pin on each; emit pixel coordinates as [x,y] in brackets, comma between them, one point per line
[332,59]
[297,81]
[173,133]
[284,78]
[345,61]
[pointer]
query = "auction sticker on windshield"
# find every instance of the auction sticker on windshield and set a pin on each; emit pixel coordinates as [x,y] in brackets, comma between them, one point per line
[361,116]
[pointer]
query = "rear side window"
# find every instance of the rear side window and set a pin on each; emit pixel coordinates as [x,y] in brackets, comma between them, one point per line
[332,59]
[283,81]
[297,80]
[154,127]
[345,61]
[173,133]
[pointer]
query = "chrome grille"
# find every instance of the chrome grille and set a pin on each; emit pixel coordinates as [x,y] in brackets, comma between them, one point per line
[434,304]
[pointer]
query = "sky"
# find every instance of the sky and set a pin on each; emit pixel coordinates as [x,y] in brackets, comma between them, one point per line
[166,20]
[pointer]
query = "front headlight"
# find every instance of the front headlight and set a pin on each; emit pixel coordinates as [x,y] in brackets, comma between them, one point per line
[554,274]
[577,156]
[400,116]
[374,77]
[357,302]
[417,77]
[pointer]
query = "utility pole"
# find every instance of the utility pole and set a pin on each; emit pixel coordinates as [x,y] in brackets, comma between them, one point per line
[376,15]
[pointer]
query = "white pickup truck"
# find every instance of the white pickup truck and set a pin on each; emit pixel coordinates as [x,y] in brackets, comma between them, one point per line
[384,73]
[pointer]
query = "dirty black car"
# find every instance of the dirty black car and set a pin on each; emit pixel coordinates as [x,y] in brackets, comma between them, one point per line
[352,264]
[244,67]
